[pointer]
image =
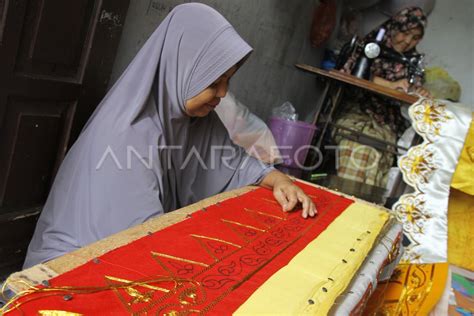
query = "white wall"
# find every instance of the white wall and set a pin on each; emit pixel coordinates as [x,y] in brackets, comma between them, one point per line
[448,41]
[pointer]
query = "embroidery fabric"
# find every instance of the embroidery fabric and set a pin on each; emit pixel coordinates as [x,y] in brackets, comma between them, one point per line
[429,168]
[212,254]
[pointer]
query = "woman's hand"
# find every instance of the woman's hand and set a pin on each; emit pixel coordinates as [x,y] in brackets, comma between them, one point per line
[401,84]
[422,91]
[288,194]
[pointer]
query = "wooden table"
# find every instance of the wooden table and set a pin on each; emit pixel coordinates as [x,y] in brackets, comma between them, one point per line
[341,80]
[361,83]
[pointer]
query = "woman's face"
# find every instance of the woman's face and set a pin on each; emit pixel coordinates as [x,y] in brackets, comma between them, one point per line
[208,99]
[404,41]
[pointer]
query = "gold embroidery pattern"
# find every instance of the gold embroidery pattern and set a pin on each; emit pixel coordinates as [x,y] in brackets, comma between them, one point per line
[163,255]
[247,232]
[215,250]
[57,313]
[410,211]
[151,287]
[416,282]
[191,293]
[418,166]
[265,214]
[429,116]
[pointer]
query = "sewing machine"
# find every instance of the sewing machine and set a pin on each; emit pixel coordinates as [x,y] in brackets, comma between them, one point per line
[414,63]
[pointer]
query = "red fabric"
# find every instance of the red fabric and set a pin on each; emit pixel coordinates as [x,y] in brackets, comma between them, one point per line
[216,277]
[324,22]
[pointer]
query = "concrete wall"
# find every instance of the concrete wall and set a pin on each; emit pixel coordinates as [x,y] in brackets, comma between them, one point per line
[278,30]
[448,42]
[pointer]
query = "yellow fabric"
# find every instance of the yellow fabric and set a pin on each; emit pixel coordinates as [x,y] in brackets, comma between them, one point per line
[461,207]
[314,278]
[463,178]
[461,229]
[413,289]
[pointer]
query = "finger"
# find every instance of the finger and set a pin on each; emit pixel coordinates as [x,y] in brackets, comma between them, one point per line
[306,206]
[281,199]
[292,199]
[312,209]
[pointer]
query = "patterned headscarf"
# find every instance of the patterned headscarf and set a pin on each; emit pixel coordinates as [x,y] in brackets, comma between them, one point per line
[405,20]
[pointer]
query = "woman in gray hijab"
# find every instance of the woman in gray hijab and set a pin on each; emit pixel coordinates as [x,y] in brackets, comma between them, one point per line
[154,144]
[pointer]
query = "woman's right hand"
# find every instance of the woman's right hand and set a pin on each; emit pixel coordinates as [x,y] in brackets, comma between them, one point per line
[401,85]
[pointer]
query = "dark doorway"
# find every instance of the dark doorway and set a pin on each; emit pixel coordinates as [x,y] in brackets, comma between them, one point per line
[56,57]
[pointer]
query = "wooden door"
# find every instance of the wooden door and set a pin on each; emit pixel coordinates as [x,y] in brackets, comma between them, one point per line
[56,57]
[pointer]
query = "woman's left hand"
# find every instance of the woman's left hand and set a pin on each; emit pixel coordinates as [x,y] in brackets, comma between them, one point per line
[288,194]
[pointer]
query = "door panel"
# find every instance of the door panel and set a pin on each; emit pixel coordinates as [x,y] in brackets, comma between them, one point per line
[54,45]
[56,57]
[35,133]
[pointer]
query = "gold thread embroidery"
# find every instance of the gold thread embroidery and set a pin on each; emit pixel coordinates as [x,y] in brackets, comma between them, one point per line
[57,313]
[417,282]
[418,166]
[216,239]
[69,290]
[151,287]
[265,214]
[206,247]
[410,210]
[271,201]
[244,225]
[428,117]
[232,227]
[159,254]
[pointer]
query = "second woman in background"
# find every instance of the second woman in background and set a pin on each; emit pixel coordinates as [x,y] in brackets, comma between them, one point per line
[373,115]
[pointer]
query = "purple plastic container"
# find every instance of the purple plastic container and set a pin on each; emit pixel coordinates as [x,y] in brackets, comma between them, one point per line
[293,139]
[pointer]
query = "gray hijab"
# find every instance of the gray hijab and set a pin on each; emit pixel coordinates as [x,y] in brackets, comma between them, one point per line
[140,155]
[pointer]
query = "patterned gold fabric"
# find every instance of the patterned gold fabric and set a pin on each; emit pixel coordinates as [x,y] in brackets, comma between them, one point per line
[414,289]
